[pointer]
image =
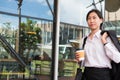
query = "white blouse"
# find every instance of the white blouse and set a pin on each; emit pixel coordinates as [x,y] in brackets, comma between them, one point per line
[98,55]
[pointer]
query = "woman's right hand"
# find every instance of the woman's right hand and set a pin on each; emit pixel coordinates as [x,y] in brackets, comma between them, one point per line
[77,56]
[80,55]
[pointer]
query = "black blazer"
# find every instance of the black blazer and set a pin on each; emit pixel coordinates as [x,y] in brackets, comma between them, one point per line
[115,71]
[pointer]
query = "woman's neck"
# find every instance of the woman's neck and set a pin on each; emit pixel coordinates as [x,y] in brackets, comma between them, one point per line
[92,33]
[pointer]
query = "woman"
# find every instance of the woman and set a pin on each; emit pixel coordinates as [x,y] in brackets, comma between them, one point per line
[99,50]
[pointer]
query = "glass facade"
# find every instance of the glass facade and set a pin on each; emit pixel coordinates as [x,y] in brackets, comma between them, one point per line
[112,18]
[36,45]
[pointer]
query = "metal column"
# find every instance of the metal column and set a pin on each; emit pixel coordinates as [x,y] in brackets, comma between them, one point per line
[55,41]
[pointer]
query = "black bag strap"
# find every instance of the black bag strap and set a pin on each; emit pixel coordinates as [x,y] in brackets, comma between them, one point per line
[84,42]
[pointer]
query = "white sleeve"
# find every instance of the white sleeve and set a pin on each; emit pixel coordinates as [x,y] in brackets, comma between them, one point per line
[111,51]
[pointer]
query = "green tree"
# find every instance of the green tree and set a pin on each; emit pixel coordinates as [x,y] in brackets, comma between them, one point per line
[30,36]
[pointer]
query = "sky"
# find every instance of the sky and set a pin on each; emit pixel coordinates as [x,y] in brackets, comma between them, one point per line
[71,11]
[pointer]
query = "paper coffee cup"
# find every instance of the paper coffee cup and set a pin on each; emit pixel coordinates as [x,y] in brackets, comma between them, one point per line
[81,54]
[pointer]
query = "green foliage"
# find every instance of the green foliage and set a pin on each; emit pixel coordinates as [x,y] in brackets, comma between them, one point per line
[30,36]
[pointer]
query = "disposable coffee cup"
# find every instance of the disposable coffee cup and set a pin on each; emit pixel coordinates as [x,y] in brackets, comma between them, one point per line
[81,54]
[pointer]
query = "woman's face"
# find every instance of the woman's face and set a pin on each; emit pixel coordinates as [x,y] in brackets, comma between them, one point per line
[94,21]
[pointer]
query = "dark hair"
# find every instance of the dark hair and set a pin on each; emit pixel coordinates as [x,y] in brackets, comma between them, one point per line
[98,13]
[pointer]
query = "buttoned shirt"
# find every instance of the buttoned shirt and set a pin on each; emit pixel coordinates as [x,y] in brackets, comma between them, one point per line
[99,55]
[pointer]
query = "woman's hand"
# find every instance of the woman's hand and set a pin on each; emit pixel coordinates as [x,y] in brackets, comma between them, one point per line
[77,56]
[104,38]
